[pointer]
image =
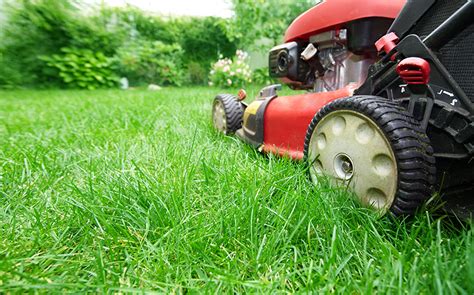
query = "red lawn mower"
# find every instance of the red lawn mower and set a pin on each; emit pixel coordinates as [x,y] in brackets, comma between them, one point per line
[390,105]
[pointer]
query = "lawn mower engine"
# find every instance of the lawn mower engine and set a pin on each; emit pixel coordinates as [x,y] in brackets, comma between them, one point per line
[329,60]
[389,108]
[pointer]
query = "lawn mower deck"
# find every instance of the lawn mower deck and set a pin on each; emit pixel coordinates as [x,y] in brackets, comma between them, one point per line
[390,105]
[273,126]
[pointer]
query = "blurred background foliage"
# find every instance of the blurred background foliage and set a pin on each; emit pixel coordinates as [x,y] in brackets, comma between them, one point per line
[255,20]
[50,43]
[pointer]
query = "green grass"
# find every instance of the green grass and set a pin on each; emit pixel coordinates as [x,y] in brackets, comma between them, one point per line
[113,191]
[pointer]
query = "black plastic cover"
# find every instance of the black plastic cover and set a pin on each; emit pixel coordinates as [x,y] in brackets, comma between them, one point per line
[363,33]
[409,16]
[285,62]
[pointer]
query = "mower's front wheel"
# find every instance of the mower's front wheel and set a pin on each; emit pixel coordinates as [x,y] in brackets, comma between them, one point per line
[377,149]
[227,113]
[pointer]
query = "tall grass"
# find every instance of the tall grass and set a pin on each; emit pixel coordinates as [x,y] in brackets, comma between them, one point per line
[126,191]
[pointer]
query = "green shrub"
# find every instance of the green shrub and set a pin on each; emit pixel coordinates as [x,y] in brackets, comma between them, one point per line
[34,28]
[268,19]
[41,28]
[197,73]
[140,25]
[82,68]
[204,39]
[231,72]
[262,77]
[9,77]
[151,62]
[96,35]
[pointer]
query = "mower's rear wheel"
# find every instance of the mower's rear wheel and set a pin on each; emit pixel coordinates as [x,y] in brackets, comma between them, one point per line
[227,114]
[377,149]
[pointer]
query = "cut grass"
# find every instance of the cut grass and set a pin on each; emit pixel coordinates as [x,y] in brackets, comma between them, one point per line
[126,191]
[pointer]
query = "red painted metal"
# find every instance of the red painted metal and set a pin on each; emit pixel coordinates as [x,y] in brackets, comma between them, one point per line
[333,14]
[414,71]
[287,118]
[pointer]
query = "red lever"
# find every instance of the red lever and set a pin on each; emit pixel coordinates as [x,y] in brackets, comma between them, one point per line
[387,43]
[414,71]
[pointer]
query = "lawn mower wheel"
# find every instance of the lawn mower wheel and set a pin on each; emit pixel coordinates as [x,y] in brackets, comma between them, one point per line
[377,148]
[227,113]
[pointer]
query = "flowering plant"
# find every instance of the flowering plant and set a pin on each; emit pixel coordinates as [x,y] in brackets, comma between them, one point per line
[231,72]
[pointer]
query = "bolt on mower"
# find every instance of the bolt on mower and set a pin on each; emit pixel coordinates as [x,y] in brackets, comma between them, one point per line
[389,108]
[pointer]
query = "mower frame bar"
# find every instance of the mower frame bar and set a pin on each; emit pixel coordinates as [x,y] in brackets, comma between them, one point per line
[454,25]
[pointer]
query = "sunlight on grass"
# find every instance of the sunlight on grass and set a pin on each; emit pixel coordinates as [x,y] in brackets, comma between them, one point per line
[120,191]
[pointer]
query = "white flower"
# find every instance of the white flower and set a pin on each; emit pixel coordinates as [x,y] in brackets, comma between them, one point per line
[213,72]
[239,71]
[241,55]
[229,81]
[226,69]
[232,73]
[211,84]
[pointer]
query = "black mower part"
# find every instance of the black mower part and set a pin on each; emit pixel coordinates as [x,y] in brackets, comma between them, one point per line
[383,146]
[227,113]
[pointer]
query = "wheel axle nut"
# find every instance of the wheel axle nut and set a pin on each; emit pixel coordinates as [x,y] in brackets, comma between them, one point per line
[346,166]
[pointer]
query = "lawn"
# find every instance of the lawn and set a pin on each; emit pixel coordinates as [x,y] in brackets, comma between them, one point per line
[115,191]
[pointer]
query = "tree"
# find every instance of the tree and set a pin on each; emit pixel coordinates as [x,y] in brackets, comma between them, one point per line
[258,19]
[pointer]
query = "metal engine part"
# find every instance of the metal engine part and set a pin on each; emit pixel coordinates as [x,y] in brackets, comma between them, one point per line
[342,68]
[325,64]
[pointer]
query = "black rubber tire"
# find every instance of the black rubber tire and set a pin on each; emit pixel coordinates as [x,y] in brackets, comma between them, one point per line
[410,145]
[234,111]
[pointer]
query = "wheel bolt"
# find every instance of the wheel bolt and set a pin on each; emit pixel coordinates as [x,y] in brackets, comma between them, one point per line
[346,167]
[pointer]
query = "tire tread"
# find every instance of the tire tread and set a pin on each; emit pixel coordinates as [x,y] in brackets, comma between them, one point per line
[234,112]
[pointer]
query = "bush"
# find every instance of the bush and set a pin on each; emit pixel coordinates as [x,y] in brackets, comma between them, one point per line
[79,68]
[254,20]
[91,34]
[140,25]
[9,77]
[41,28]
[262,77]
[204,39]
[151,62]
[33,29]
[197,73]
[201,39]
[231,72]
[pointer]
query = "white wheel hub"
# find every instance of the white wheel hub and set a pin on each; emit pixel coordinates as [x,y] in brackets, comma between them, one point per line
[350,149]
[219,116]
